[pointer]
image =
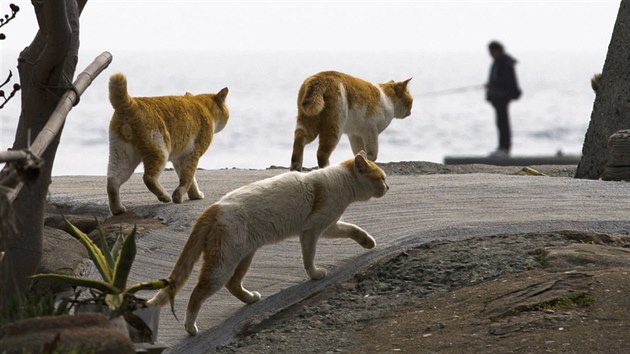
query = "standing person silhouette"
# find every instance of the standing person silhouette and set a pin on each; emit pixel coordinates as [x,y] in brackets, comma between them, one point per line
[502,87]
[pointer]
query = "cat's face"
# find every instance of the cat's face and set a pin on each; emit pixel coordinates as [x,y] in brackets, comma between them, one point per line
[404,101]
[222,113]
[370,175]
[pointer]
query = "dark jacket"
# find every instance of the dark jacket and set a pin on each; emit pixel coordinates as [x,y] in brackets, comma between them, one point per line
[503,84]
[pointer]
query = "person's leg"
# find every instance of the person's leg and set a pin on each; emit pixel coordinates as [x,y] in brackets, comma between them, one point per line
[503,124]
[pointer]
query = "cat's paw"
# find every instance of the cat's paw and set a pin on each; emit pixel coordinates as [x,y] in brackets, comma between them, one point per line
[178,196]
[296,166]
[368,242]
[254,297]
[317,273]
[191,328]
[119,209]
[196,196]
[164,198]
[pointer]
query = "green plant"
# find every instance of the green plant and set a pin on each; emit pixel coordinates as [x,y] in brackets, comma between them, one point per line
[541,257]
[114,266]
[33,305]
[572,300]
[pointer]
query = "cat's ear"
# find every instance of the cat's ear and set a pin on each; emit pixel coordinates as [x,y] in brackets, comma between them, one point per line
[360,162]
[220,97]
[401,87]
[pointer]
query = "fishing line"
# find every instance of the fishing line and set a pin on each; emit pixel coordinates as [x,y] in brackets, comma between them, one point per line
[451,91]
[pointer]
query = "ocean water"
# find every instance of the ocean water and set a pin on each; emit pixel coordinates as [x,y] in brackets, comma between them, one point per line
[552,115]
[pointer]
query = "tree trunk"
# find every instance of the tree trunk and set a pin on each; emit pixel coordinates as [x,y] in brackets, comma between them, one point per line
[611,110]
[46,70]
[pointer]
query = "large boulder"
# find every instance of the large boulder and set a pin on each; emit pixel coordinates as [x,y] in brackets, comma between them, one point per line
[584,256]
[611,110]
[62,254]
[83,222]
[80,333]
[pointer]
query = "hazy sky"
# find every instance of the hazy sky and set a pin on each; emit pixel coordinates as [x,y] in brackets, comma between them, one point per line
[333,25]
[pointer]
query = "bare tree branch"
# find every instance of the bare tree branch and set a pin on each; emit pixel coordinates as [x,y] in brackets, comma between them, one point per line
[13,156]
[6,19]
[55,122]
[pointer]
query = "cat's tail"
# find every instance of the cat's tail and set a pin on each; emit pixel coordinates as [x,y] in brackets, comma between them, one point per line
[312,101]
[118,95]
[190,254]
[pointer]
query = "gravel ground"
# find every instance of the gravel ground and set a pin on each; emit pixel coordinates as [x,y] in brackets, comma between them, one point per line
[336,319]
[437,267]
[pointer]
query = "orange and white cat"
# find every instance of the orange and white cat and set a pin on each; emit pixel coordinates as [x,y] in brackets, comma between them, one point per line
[229,232]
[154,130]
[331,103]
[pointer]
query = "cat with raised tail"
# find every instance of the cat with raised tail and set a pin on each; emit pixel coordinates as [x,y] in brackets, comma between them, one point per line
[229,232]
[331,103]
[154,130]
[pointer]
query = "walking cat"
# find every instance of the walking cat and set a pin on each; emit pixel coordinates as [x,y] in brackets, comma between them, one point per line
[154,130]
[229,232]
[331,103]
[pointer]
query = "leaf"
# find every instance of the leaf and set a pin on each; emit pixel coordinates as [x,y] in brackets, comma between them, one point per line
[117,245]
[114,301]
[79,281]
[171,300]
[531,171]
[62,307]
[125,260]
[9,77]
[95,253]
[143,332]
[104,247]
[148,285]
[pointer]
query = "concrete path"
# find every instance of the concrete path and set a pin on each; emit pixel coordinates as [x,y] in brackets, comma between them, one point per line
[416,210]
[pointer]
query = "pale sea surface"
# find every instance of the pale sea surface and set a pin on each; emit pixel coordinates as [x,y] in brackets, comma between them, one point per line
[552,115]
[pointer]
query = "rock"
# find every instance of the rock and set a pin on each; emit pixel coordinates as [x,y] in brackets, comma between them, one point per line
[84,223]
[499,331]
[122,225]
[598,238]
[618,165]
[555,292]
[589,256]
[81,333]
[112,232]
[610,110]
[62,254]
[619,149]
